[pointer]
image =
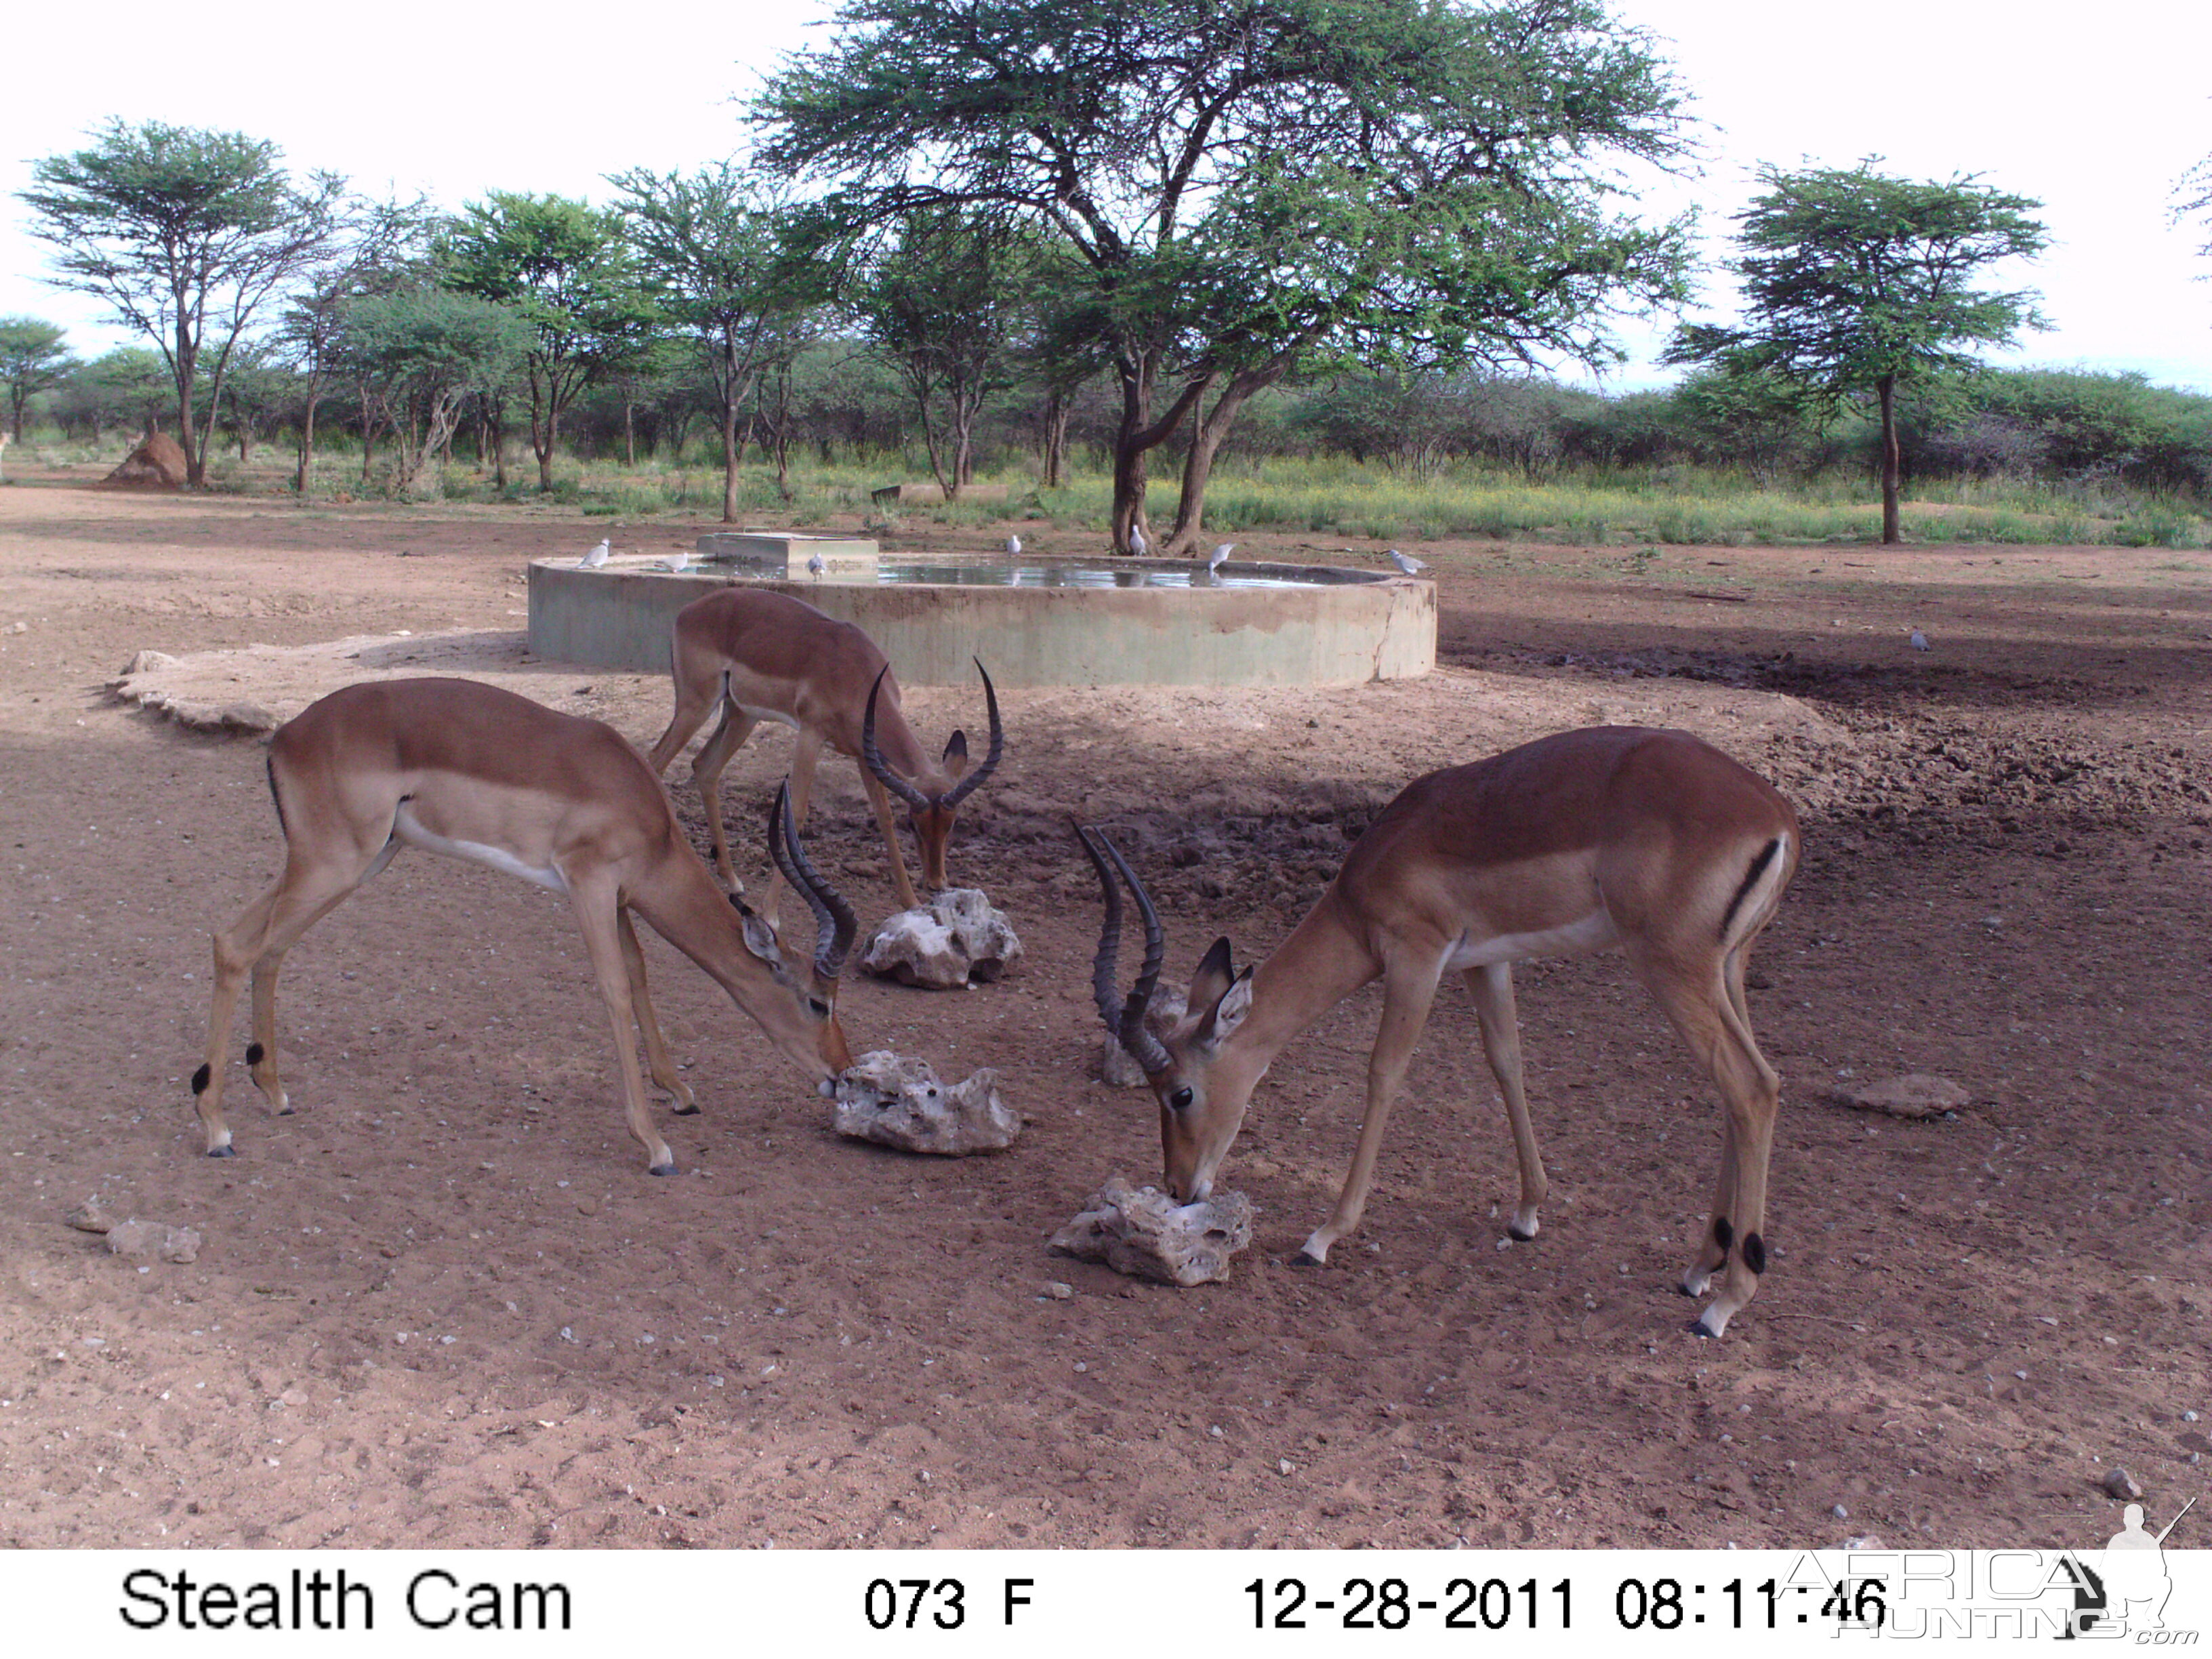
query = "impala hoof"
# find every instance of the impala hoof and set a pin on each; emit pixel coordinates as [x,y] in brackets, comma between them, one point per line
[225,1150]
[1513,1232]
[668,1168]
[1706,1325]
[682,1110]
[1306,1258]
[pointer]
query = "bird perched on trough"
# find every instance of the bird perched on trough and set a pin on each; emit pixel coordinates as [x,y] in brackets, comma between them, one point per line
[1136,538]
[1013,547]
[1408,566]
[679,564]
[595,558]
[1920,641]
[815,566]
[1219,556]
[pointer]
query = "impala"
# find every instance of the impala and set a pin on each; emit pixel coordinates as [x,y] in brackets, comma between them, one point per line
[465,768]
[1651,840]
[764,656]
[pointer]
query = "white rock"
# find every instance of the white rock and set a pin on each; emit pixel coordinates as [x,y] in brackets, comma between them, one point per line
[1117,1067]
[900,1102]
[955,941]
[1142,1232]
[145,662]
[90,1217]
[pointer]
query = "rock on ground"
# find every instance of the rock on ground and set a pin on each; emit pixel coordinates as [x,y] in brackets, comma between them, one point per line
[1118,1068]
[1917,1094]
[955,941]
[900,1102]
[144,1238]
[1142,1232]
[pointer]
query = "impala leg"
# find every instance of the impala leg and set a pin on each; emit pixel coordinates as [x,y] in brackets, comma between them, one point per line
[1407,993]
[1491,987]
[1700,1005]
[656,1051]
[255,944]
[706,773]
[597,915]
[694,700]
[881,799]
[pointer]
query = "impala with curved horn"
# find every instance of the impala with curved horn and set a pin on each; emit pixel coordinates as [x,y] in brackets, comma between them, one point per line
[465,768]
[1651,841]
[759,655]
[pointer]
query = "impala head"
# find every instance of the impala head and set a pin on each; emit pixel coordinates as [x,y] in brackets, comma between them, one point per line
[934,798]
[1202,1092]
[815,989]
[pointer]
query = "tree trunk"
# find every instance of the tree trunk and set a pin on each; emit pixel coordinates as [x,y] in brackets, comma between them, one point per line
[1134,440]
[629,433]
[1204,441]
[1055,437]
[302,477]
[1892,465]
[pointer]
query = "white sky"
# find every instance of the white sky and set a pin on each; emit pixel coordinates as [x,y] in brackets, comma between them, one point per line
[2095,112]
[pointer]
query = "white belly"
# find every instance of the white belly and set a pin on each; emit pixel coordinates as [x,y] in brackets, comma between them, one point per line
[407,829]
[1593,932]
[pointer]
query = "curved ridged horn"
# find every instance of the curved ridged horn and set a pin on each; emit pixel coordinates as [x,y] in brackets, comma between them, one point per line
[872,758]
[966,786]
[834,924]
[1127,1024]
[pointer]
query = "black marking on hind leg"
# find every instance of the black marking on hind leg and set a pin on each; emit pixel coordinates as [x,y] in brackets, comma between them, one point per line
[201,1079]
[254,1053]
[1724,1235]
[1750,876]
[1754,1253]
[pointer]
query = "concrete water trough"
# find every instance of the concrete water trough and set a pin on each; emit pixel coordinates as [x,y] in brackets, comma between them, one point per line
[1035,621]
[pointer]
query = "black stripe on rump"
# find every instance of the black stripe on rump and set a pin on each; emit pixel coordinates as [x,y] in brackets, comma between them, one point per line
[1750,881]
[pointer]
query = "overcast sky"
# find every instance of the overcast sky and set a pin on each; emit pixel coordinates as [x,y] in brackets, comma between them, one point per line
[2096,119]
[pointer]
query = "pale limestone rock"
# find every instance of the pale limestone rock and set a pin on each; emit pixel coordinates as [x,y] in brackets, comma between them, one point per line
[1119,1068]
[900,1102]
[955,941]
[142,1238]
[1142,1232]
[145,662]
[1915,1094]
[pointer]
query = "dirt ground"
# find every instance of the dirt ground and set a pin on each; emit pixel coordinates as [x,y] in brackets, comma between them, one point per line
[443,1304]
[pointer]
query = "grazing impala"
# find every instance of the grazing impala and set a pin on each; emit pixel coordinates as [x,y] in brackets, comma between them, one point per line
[465,768]
[758,655]
[1651,840]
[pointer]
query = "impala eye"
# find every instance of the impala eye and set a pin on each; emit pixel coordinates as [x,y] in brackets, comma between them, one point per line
[1181,1099]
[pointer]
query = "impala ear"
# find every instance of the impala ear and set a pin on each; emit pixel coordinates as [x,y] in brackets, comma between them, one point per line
[760,937]
[1228,1013]
[956,753]
[1212,978]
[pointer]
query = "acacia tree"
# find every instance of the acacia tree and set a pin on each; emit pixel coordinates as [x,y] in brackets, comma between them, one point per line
[948,305]
[420,354]
[1856,283]
[33,357]
[567,268]
[718,263]
[1252,183]
[185,233]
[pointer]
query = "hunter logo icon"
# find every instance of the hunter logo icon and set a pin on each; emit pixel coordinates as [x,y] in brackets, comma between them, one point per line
[2128,1589]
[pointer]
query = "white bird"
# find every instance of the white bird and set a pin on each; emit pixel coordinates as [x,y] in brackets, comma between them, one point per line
[595,558]
[1219,556]
[1013,547]
[679,564]
[1136,538]
[1408,566]
[815,566]
[1920,641]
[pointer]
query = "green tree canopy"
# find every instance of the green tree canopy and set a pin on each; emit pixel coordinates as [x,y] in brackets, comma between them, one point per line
[566,267]
[1252,183]
[718,261]
[33,356]
[419,353]
[185,233]
[1855,283]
